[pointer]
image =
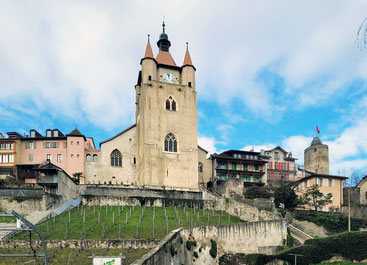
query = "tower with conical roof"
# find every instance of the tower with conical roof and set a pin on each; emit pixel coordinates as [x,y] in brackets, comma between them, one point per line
[166,119]
[317,157]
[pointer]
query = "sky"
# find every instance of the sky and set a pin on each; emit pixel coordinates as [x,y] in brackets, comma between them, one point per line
[267,71]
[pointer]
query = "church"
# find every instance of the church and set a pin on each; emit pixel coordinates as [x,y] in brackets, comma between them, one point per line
[161,149]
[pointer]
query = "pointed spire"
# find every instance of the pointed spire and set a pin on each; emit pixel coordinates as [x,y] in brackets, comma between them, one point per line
[187,60]
[148,50]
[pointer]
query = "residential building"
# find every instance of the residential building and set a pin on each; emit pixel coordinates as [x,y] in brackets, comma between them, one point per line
[326,184]
[10,154]
[245,165]
[280,165]
[56,181]
[362,185]
[66,151]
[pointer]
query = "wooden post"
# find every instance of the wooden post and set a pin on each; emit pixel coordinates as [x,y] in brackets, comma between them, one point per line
[349,209]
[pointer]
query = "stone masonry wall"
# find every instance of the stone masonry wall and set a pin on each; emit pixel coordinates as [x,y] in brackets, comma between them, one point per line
[256,237]
[238,209]
[79,244]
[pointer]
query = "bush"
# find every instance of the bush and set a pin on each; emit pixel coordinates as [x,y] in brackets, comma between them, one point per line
[332,222]
[196,255]
[172,250]
[190,244]
[289,238]
[257,192]
[351,246]
[213,248]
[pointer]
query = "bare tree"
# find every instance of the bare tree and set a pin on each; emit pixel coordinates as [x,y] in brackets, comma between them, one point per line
[361,40]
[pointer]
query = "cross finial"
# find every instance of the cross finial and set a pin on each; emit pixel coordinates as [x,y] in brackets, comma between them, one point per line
[148,37]
[187,45]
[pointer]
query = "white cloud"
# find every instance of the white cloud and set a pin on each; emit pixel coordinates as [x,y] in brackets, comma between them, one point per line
[258,148]
[208,143]
[81,59]
[297,145]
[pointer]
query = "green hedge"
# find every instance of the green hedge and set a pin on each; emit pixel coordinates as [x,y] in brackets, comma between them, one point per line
[351,246]
[332,222]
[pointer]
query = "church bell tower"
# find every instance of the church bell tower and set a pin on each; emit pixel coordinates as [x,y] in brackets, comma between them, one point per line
[166,119]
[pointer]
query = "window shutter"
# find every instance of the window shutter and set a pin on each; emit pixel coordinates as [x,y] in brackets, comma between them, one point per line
[44,144]
[65,144]
[26,145]
[34,145]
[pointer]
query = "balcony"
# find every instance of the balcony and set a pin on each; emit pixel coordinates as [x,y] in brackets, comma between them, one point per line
[53,179]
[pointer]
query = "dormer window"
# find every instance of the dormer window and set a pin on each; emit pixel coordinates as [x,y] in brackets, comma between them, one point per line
[33,134]
[56,133]
[48,133]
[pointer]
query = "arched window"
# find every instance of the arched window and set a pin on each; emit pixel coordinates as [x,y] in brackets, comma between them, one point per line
[89,158]
[116,158]
[170,143]
[95,158]
[171,104]
[200,167]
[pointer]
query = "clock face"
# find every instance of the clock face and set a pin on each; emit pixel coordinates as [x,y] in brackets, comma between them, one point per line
[168,77]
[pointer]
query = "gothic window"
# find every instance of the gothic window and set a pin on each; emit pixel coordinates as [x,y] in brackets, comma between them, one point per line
[170,143]
[116,158]
[89,158]
[200,167]
[95,158]
[171,104]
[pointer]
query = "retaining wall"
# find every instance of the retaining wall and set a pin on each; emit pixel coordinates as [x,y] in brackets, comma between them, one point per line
[257,237]
[79,244]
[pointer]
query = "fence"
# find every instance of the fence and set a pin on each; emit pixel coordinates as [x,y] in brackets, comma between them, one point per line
[20,192]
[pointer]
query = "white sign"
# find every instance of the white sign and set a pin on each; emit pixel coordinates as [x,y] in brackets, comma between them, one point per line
[107,261]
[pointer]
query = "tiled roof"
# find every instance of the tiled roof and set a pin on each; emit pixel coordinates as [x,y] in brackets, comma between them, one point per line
[148,51]
[164,57]
[75,132]
[187,60]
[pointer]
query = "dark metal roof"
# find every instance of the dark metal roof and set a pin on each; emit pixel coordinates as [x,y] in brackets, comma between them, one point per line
[322,176]
[316,141]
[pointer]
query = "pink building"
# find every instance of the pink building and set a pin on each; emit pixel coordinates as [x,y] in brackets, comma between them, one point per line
[65,151]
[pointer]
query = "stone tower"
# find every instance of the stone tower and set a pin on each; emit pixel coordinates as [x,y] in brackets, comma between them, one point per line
[317,157]
[166,120]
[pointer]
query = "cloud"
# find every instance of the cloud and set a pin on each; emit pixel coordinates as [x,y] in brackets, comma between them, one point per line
[208,143]
[297,145]
[81,60]
[258,148]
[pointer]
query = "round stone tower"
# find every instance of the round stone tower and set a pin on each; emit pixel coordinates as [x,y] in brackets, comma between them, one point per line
[317,157]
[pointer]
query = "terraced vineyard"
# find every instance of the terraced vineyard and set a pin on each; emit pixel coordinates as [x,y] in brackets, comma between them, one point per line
[126,222]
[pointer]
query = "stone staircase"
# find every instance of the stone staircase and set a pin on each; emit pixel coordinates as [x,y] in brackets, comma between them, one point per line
[298,234]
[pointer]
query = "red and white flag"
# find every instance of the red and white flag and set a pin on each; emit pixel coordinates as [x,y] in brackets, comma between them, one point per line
[317,129]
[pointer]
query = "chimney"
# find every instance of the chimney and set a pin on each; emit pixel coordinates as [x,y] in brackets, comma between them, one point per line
[262,152]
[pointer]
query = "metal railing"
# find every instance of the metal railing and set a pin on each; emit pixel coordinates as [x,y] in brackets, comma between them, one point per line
[30,229]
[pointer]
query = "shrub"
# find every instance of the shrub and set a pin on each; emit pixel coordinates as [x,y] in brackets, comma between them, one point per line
[181,240]
[172,250]
[289,238]
[351,246]
[196,255]
[213,248]
[190,244]
[332,222]
[257,192]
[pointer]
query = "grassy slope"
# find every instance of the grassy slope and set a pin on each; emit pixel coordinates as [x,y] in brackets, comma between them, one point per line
[55,228]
